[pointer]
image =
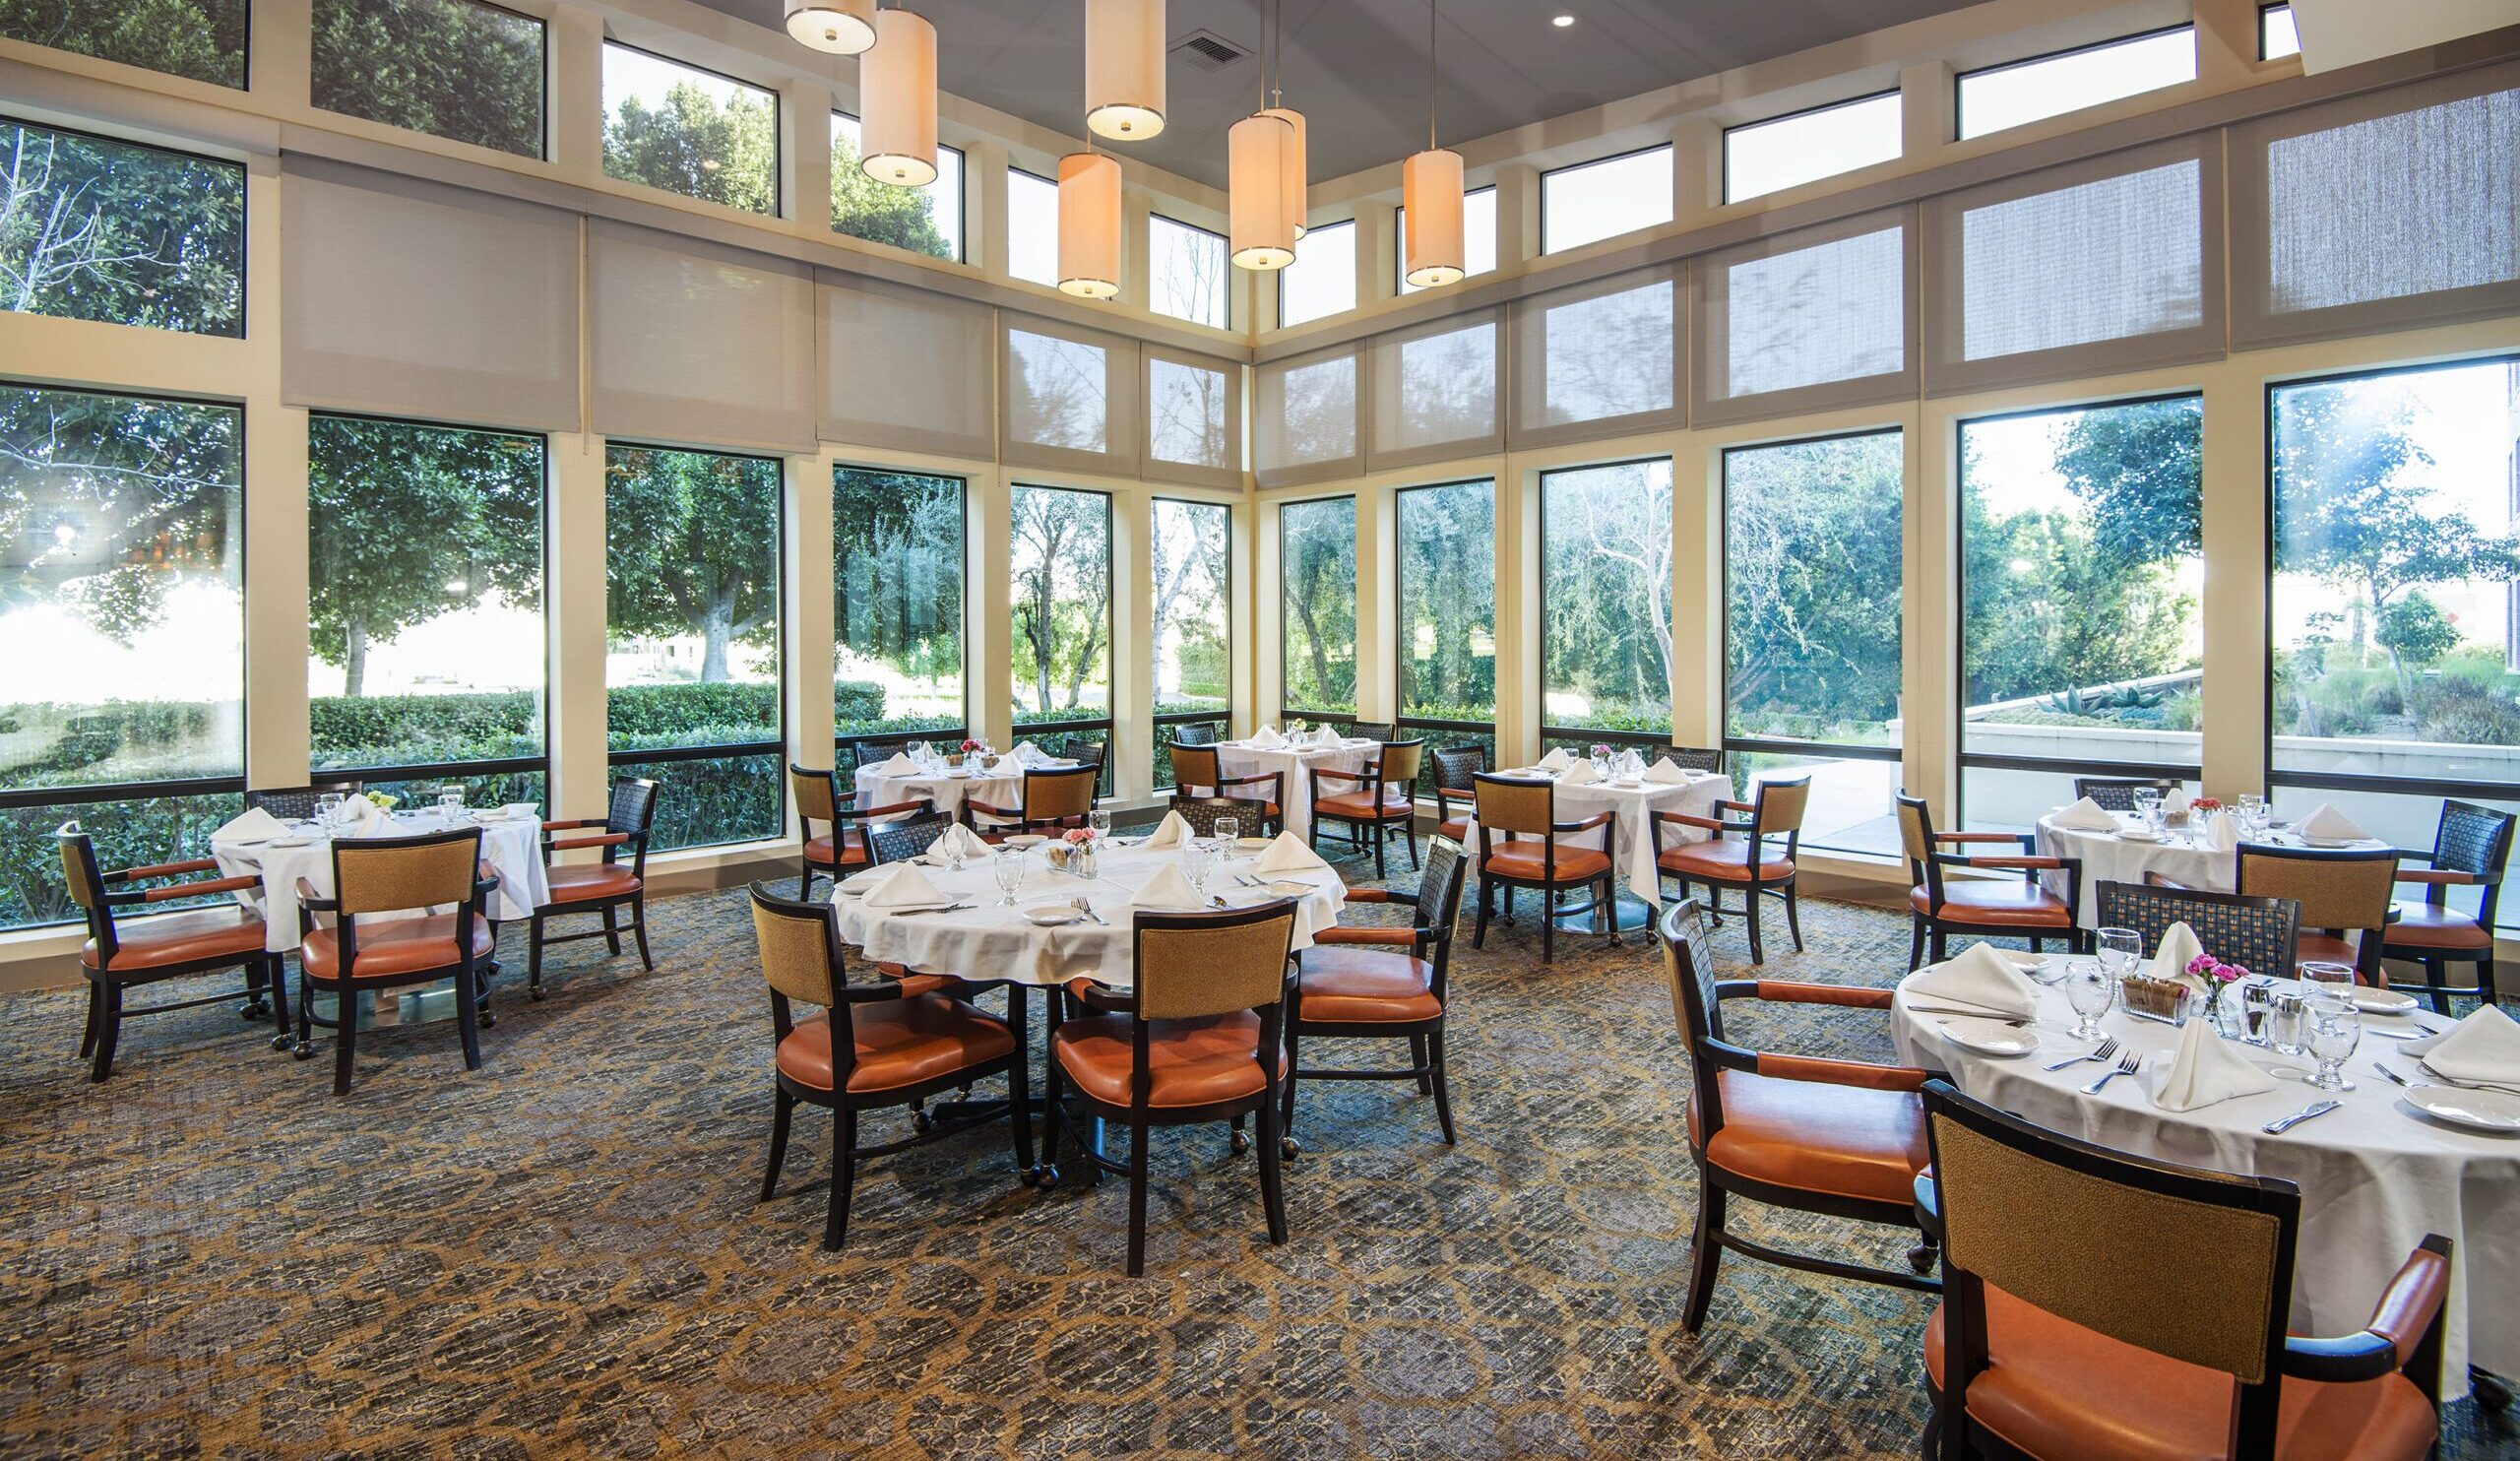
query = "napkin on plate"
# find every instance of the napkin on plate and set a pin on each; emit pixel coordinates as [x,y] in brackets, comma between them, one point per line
[1666,773]
[1168,889]
[1171,832]
[896,764]
[2086,816]
[961,842]
[513,811]
[2328,822]
[2482,1050]
[2180,948]
[2174,802]
[2204,1070]
[1266,738]
[1556,760]
[360,814]
[907,887]
[256,825]
[1288,854]
[2223,832]
[1579,774]
[1981,982]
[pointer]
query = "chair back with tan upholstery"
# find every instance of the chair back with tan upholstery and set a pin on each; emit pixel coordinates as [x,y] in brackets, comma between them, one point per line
[1398,763]
[2343,890]
[1778,804]
[1064,794]
[1916,835]
[817,796]
[298,801]
[1192,965]
[905,838]
[2234,928]
[1513,803]
[391,874]
[86,884]
[1194,766]
[2188,1263]
[801,960]
[2117,793]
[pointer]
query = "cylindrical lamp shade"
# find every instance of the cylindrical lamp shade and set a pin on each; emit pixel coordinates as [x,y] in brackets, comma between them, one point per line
[1089,225]
[842,28]
[1430,187]
[1124,68]
[897,81]
[1262,231]
[1296,181]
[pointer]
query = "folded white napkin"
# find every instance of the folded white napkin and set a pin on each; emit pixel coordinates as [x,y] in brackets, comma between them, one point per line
[2174,802]
[896,764]
[1982,981]
[1026,753]
[256,825]
[2482,1050]
[1288,854]
[1556,760]
[1171,832]
[2180,945]
[962,842]
[360,814]
[1666,773]
[2327,822]
[2086,816]
[513,811]
[2204,1070]
[1168,889]
[907,887]
[2223,832]
[1266,738]
[1579,774]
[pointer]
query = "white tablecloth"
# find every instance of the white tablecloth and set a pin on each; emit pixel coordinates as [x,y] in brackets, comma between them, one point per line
[1293,767]
[1003,786]
[2375,1176]
[987,941]
[1630,836]
[2182,856]
[513,849]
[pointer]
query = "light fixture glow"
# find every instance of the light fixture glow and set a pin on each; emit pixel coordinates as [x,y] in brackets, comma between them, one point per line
[1089,225]
[1262,229]
[1433,254]
[1124,68]
[898,81]
[1562,21]
[844,27]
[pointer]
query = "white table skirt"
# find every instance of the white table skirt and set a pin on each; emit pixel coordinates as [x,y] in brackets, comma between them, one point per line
[2375,1176]
[1003,786]
[987,941]
[1293,768]
[2182,856]
[1631,836]
[513,849]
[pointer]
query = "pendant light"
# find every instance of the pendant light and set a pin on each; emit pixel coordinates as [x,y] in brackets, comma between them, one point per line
[1089,225]
[1430,186]
[1297,179]
[1260,224]
[898,87]
[1124,68]
[842,28]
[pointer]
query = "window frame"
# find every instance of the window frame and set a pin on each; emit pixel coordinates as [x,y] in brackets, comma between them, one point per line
[1309,230]
[1401,719]
[1601,161]
[962,203]
[1959,90]
[244,59]
[1224,284]
[848,744]
[245,246]
[2266,13]
[1669,736]
[1286,640]
[1109,721]
[777,133]
[1006,266]
[1221,719]
[1724,160]
[542,107]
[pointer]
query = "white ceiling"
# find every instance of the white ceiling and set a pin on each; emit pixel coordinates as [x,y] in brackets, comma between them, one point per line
[1357,68]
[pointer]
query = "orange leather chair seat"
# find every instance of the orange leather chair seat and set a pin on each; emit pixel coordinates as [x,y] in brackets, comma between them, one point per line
[180,939]
[1818,1137]
[1458,829]
[1344,983]
[578,882]
[1359,805]
[1725,860]
[2008,901]
[395,946]
[852,852]
[899,1043]
[922,983]
[1193,1062]
[2420,925]
[2055,1389]
[1522,859]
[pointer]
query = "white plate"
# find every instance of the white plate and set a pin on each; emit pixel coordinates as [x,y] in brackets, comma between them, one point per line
[1987,1037]
[2024,959]
[292,841]
[2378,1002]
[1027,840]
[1053,916]
[1290,887]
[2331,841]
[2139,834]
[2479,1110]
[1251,844]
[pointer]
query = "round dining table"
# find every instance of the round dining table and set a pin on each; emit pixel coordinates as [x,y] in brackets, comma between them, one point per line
[1629,838]
[511,843]
[2376,1174]
[2183,854]
[948,785]
[1295,765]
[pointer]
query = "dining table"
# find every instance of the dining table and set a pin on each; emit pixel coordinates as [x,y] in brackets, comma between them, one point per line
[2184,854]
[1294,764]
[511,843]
[946,786]
[1633,801]
[2377,1174]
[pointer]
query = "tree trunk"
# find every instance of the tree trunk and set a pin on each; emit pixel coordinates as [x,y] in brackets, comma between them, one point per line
[354,657]
[1312,646]
[718,632]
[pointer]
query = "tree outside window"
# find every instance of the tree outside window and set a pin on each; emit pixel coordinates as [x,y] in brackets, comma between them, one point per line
[1192,636]
[1317,606]
[1062,605]
[1606,591]
[925,220]
[689,131]
[200,40]
[125,234]
[896,603]
[454,69]
[1447,602]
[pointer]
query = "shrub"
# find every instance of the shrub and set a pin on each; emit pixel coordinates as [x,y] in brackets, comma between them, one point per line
[856,700]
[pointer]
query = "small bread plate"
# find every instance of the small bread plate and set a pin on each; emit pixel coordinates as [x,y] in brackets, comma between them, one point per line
[2331,841]
[856,887]
[1052,916]
[1287,887]
[1987,1037]
[2138,834]
[2478,1110]
[2025,961]
[1251,844]
[1027,840]
[2371,1001]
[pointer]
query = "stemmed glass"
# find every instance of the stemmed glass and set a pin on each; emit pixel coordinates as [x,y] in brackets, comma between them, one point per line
[2332,1027]
[2336,981]
[2119,951]
[1008,866]
[2088,990]
[1228,829]
[1100,821]
[1201,859]
[328,810]
[2253,817]
[450,804]
[2148,806]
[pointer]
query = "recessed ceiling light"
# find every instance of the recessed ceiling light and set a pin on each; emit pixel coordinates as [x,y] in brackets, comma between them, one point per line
[1562,21]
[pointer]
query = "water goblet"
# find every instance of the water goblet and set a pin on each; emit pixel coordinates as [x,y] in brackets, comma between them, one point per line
[328,809]
[1228,829]
[1100,821]
[2119,951]
[2320,976]
[2088,990]
[450,804]
[2252,813]
[2148,805]
[2331,1028]
[1008,866]
[1200,861]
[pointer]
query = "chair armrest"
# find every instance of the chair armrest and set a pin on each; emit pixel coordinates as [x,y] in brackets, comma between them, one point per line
[1093,995]
[1596,819]
[1370,895]
[607,840]
[2157,880]
[1794,991]
[162,869]
[2040,865]
[195,890]
[1735,806]
[2023,839]
[2437,875]
[897,809]
[2401,1324]
[1263,777]
[1011,813]
[1855,1073]
[573,824]
[1319,772]
[1390,937]
[1684,819]
[312,901]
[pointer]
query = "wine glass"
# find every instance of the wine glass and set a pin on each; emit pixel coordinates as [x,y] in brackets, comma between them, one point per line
[2332,1028]
[2320,977]
[1201,859]
[1228,829]
[328,809]
[450,804]
[1100,821]
[2253,817]
[2119,951]
[2088,990]
[1008,866]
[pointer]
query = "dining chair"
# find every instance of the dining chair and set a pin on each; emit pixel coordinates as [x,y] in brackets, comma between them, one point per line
[876,752]
[1515,809]
[838,850]
[1196,733]
[1048,800]
[1200,1037]
[904,838]
[2257,933]
[1695,758]
[119,956]
[298,802]
[874,1047]
[2471,848]
[2344,894]
[365,950]
[2003,907]
[1839,1138]
[1086,752]
[602,888]
[1197,772]
[2117,792]
[1457,770]
[1384,796]
[2100,1304]
[1203,813]
[1753,854]
[1383,983]
[1381,730]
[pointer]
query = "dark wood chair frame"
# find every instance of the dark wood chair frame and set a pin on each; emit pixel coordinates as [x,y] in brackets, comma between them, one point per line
[265,989]
[1373,785]
[1931,933]
[1430,937]
[870,752]
[1548,884]
[1017,820]
[1222,786]
[286,802]
[2117,905]
[1384,731]
[617,832]
[2389,1344]
[1457,770]
[1696,758]
[1753,886]
[843,815]
[2440,873]
[1194,733]
[471,1012]
[2367,942]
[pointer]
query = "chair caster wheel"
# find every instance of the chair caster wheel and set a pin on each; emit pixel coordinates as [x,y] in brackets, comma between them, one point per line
[1288,1149]
[1922,1257]
[920,1123]
[535,993]
[282,1042]
[1240,1143]
[2491,1391]
[487,1020]
[304,1049]
[1045,1177]
[255,1011]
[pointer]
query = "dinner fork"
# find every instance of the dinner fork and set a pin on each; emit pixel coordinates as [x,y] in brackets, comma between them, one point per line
[2127,1064]
[1087,909]
[2108,1047]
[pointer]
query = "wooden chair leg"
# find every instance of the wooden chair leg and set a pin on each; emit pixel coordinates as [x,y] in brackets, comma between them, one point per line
[1547,926]
[612,928]
[1410,827]
[468,1020]
[1793,914]
[344,1038]
[1750,910]
[1273,1197]
[96,1019]
[843,1177]
[1486,903]
[109,1032]
[1938,944]
[277,967]
[1443,1092]
[1287,1087]
[533,958]
[805,878]
[1019,1079]
[782,1108]
[1137,1197]
[1916,942]
[1704,1254]
[639,930]
[1418,1057]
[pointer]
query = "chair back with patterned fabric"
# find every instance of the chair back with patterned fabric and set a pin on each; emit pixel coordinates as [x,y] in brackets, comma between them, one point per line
[1397,764]
[2117,793]
[1202,812]
[875,752]
[390,874]
[817,795]
[1375,730]
[2257,932]
[1439,888]
[86,884]
[1513,803]
[1194,766]
[1195,733]
[2342,890]
[1062,795]
[2186,1263]
[1457,768]
[905,838]
[2477,841]
[1192,965]
[1696,758]
[1688,968]
[298,802]
[633,814]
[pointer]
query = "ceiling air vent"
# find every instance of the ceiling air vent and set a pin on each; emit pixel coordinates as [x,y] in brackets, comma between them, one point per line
[1208,52]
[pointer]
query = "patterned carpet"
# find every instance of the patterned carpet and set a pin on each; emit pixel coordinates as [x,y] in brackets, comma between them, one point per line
[561,1255]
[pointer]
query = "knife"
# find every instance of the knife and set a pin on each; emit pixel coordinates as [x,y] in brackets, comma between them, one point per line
[2282,1124]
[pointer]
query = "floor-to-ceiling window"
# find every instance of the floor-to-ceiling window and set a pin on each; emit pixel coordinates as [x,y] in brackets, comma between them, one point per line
[1191,635]
[1813,574]
[1060,606]
[1318,609]
[692,616]
[2082,576]
[424,606]
[122,604]
[1446,593]
[897,606]
[2395,602]
[1606,605]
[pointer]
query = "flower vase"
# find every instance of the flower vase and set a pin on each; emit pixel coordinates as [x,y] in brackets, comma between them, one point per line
[1081,862]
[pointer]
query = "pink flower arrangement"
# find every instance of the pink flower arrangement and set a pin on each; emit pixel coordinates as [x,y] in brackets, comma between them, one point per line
[1600,750]
[969,746]
[1078,837]
[2215,971]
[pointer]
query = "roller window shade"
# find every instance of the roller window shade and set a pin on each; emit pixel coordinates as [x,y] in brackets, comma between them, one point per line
[2102,265]
[1307,417]
[2378,213]
[1598,361]
[1193,419]
[412,298]
[1812,320]
[696,342]
[907,370]
[1071,397]
[1434,396]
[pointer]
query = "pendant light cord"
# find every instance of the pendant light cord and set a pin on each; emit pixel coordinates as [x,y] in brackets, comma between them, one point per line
[1430,75]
